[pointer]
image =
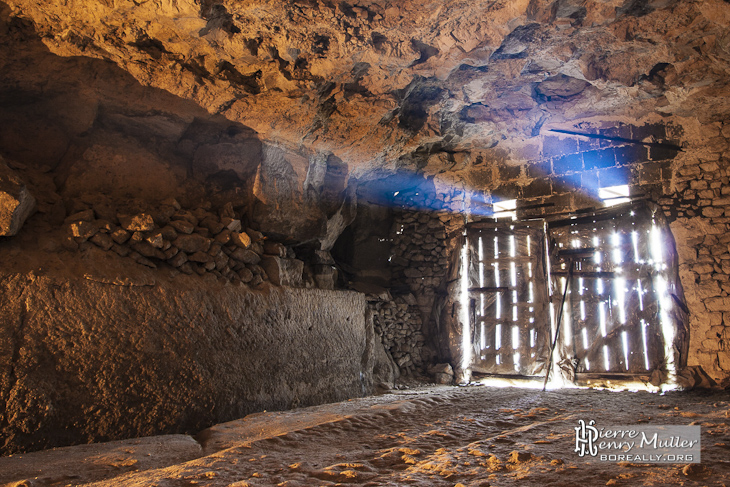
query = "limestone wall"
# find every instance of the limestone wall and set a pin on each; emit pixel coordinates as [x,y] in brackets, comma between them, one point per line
[98,359]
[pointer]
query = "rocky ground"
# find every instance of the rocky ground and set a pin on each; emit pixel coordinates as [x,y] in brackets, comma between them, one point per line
[427,435]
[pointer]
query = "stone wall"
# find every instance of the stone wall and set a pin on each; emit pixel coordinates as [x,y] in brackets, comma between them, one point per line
[194,241]
[95,359]
[699,211]
[419,247]
[399,327]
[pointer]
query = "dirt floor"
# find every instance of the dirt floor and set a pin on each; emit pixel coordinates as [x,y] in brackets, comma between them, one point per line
[428,435]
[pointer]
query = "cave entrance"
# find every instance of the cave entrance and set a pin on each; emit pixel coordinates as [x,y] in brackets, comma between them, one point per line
[614,273]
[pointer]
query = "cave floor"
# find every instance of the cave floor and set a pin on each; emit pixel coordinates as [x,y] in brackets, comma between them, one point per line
[428,435]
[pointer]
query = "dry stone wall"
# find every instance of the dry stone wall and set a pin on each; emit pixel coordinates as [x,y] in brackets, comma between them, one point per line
[699,211]
[196,241]
[420,236]
[399,326]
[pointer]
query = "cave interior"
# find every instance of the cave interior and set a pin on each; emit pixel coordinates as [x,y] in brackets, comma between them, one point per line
[214,208]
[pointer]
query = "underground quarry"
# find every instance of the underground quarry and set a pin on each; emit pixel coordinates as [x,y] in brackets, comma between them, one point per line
[364,242]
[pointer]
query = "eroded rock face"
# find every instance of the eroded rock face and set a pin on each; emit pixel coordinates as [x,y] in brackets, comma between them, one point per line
[96,359]
[16,202]
[375,80]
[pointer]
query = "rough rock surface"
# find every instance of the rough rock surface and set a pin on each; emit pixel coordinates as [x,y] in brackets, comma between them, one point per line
[378,79]
[93,359]
[16,202]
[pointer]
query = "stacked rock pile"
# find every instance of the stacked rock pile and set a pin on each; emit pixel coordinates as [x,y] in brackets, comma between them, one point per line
[192,241]
[419,250]
[399,326]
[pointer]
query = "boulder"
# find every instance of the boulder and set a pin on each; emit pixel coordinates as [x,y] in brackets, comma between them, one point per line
[325,276]
[16,202]
[212,224]
[83,230]
[323,257]
[274,248]
[81,216]
[142,222]
[182,226]
[200,257]
[231,224]
[120,235]
[246,275]
[103,240]
[283,272]
[192,243]
[241,240]
[442,373]
[246,256]
[178,259]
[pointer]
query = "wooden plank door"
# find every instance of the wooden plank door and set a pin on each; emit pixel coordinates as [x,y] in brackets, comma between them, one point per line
[508,297]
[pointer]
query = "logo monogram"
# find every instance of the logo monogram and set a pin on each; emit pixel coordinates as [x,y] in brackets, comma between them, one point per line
[585,438]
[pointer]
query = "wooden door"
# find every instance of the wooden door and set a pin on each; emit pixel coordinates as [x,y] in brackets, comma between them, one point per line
[615,316]
[508,297]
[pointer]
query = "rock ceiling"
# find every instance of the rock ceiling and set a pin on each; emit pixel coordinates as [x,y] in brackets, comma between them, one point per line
[376,80]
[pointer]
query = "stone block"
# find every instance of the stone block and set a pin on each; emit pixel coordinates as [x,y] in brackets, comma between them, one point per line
[567,184]
[598,159]
[274,248]
[241,239]
[537,188]
[708,289]
[712,212]
[567,164]
[141,222]
[247,256]
[325,276]
[538,169]
[662,153]
[656,131]
[283,272]
[614,176]
[631,154]
[16,202]
[508,172]
[723,359]
[718,304]
[505,192]
[192,243]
